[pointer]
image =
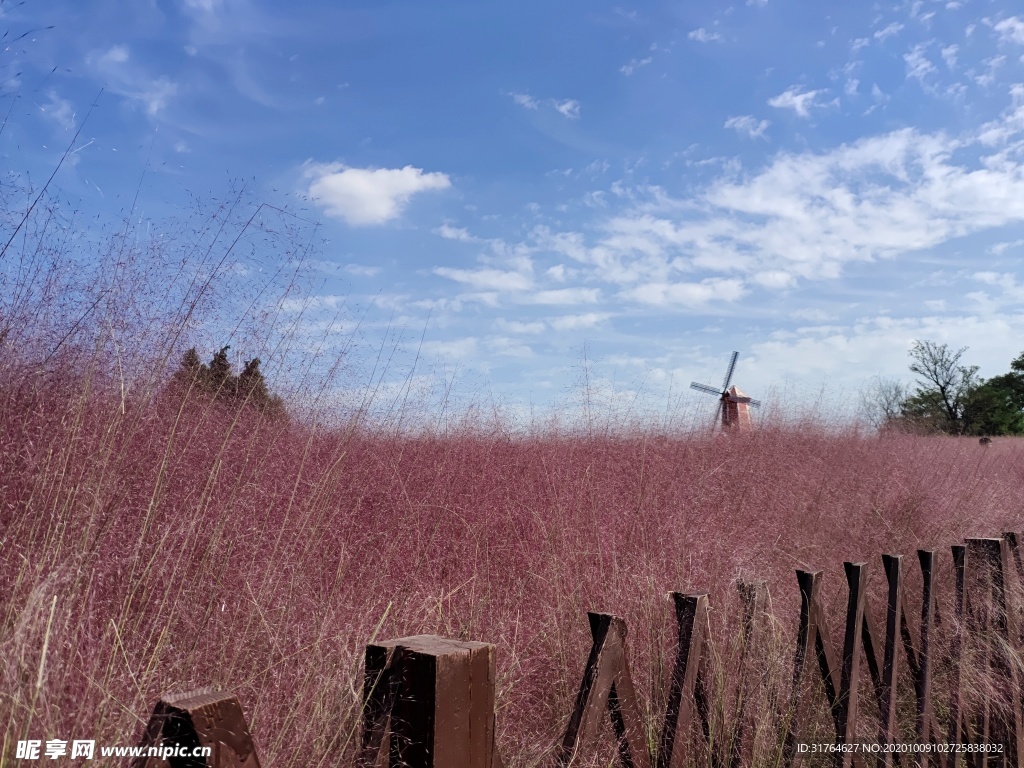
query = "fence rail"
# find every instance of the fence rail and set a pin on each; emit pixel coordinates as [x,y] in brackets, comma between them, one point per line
[428,701]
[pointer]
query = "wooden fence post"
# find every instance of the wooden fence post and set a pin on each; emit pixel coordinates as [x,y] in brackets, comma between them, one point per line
[847,703]
[958,734]
[606,684]
[205,717]
[1013,544]
[991,624]
[686,682]
[434,700]
[840,682]
[919,659]
[755,610]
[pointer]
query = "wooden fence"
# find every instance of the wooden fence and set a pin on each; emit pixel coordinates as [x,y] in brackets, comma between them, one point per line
[429,701]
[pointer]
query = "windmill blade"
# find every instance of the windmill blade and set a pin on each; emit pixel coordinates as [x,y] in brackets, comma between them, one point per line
[728,373]
[755,403]
[704,388]
[718,416]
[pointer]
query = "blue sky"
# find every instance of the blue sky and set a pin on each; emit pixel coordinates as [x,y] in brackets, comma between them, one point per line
[652,186]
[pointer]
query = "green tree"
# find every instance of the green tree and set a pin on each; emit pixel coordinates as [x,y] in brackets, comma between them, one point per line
[944,387]
[996,406]
[950,398]
[218,382]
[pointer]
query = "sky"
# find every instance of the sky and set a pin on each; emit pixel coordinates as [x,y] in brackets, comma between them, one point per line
[544,196]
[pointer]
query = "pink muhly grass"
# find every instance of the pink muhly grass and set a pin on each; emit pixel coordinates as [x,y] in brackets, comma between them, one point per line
[183,546]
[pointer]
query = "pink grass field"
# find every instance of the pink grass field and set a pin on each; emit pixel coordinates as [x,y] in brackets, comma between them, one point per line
[152,546]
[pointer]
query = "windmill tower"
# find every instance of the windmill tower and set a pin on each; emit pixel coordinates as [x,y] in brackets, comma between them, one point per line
[733,404]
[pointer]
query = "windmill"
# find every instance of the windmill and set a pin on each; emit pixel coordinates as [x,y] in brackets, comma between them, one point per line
[733,403]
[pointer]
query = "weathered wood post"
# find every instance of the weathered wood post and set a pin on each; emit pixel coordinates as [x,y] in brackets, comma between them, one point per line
[606,686]
[990,624]
[428,702]
[684,692]
[207,717]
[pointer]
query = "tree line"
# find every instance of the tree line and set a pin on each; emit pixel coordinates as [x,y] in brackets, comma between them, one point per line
[948,396]
[217,381]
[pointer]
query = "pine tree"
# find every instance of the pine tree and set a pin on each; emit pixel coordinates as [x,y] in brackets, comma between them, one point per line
[217,382]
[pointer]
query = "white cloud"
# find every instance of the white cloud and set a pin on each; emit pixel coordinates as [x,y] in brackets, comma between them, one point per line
[116,54]
[1000,248]
[805,216]
[989,77]
[918,65]
[516,326]
[749,125]
[487,279]
[59,110]
[157,95]
[449,232]
[701,35]
[796,99]
[557,273]
[131,82]
[569,108]
[361,270]
[368,196]
[851,86]
[1009,294]
[880,197]
[566,296]
[686,294]
[893,29]
[576,322]
[459,348]
[949,54]
[1011,30]
[501,345]
[758,3]
[775,279]
[525,100]
[634,65]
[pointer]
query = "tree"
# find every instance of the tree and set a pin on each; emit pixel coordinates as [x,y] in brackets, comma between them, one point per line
[996,407]
[944,388]
[882,400]
[218,382]
[950,398]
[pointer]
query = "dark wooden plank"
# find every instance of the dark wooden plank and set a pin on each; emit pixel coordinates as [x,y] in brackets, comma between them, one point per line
[606,686]
[206,717]
[691,620]
[847,701]
[957,732]
[380,686]
[989,622]
[893,565]
[755,610]
[434,698]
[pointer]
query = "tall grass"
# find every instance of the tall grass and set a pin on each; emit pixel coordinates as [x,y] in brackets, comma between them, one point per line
[152,540]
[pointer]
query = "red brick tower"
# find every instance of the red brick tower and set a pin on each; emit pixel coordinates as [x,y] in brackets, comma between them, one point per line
[736,415]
